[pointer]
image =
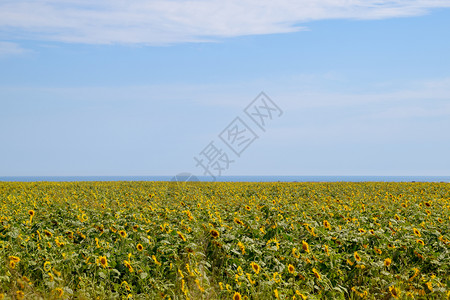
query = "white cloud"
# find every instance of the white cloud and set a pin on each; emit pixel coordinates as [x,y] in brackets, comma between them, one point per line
[8,48]
[173,21]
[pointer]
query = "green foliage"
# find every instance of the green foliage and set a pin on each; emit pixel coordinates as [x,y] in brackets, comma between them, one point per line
[119,240]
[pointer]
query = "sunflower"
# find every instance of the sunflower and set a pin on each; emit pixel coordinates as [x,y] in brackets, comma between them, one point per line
[316,273]
[427,204]
[302,297]
[420,242]
[247,207]
[155,260]
[361,230]
[387,262]
[242,247]
[59,292]
[214,233]
[125,285]
[31,212]
[294,253]
[181,236]
[327,224]
[48,233]
[239,222]
[14,259]
[440,220]
[237,296]
[47,266]
[394,292]
[255,267]
[305,246]
[291,269]
[128,265]
[135,227]
[122,233]
[357,257]
[12,264]
[103,261]
[139,247]
[416,232]
[276,277]
[20,295]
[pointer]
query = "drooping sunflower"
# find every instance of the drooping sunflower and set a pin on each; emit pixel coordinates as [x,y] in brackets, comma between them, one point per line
[420,242]
[255,267]
[316,273]
[239,222]
[305,246]
[128,265]
[181,236]
[14,258]
[59,292]
[394,292]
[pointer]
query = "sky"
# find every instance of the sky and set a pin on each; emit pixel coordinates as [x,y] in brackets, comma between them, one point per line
[136,88]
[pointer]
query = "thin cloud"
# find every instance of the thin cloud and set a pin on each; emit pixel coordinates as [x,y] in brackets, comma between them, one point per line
[172,21]
[8,49]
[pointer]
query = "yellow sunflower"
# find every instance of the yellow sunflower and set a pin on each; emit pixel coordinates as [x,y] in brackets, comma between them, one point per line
[103,261]
[291,269]
[255,267]
[237,296]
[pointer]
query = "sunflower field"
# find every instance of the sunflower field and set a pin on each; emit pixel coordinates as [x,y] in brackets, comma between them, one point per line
[223,240]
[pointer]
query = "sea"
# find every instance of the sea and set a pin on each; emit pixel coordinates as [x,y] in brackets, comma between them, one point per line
[266,178]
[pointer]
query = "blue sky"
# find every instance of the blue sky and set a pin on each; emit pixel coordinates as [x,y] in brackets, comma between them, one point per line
[140,88]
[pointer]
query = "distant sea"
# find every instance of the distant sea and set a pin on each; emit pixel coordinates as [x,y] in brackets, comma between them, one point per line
[237,178]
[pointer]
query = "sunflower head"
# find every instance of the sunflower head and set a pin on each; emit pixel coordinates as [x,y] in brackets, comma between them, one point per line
[305,246]
[122,233]
[214,233]
[31,212]
[387,262]
[291,269]
[139,247]
[316,274]
[255,267]
[103,261]
[357,257]
[237,296]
